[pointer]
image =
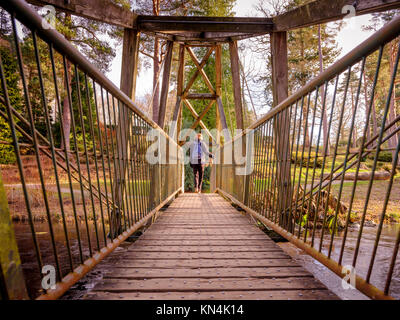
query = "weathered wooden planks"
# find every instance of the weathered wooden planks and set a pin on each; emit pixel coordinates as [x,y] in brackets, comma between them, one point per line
[203,248]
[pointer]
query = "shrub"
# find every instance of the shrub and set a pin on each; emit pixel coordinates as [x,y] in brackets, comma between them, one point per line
[383,156]
[297,160]
[7,154]
[189,184]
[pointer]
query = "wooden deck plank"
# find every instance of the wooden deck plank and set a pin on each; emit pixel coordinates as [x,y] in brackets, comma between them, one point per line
[212,284]
[201,247]
[222,295]
[270,272]
[205,263]
[184,255]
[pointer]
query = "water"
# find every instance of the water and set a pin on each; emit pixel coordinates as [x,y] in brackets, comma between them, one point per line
[29,258]
[381,265]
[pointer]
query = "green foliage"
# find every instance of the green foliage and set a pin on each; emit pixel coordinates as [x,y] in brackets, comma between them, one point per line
[7,154]
[79,142]
[383,156]
[222,8]
[189,183]
[10,67]
[299,161]
[87,106]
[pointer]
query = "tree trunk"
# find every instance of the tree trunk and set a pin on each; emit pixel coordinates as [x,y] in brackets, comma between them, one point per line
[323,112]
[354,133]
[66,112]
[367,121]
[392,107]
[305,114]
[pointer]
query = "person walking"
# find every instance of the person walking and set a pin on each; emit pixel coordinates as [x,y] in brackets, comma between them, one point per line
[198,152]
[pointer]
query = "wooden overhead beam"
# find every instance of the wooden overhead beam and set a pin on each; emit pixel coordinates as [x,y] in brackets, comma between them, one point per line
[100,10]
[323,11]
[203,24]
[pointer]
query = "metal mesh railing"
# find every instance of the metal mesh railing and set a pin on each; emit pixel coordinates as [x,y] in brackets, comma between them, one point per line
[81,182]
[325,165]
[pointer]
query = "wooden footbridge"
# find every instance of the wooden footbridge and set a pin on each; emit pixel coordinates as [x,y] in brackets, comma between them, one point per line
[104,176]
[203,248]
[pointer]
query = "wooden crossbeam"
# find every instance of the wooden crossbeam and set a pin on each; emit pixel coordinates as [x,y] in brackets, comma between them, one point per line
[100,10]
[204,24]
[199,96]
[202,114]
[323,11]
[200,67]
[202,73]
[196,116]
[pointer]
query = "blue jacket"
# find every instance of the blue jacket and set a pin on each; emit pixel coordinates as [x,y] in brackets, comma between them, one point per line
[194,156]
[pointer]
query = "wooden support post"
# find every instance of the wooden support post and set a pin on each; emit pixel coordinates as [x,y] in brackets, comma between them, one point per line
[12,283]
[165,84]
[222,117]
[237,92]
[177,116]
[130,54]
[282,121]
[218,90]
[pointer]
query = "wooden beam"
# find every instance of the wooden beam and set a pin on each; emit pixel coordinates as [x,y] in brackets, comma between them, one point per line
[202,114]
[221,113]
[281,122]
[177,116]
[203,74]
[323,11]
[195,115]
[218,70]
[197,72]
[218,88]
[165,85]
[130,54]
[204,24]
[130,51]
[237,91]
[197,96]
[99,10]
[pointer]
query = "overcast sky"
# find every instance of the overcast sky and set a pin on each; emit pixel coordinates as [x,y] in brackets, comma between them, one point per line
[348,38]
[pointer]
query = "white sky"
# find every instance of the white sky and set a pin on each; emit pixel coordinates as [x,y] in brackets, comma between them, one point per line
[348,38]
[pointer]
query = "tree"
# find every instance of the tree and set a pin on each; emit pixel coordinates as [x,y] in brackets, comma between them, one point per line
[92,39]
[309,49]
[10,68]
[153,48]
[387,70]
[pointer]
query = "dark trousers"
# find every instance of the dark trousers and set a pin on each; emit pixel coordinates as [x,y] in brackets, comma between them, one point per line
[198,170]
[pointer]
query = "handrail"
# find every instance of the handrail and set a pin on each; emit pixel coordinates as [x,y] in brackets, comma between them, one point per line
[24,12]
[289,185]
[383,35]
[94,179]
